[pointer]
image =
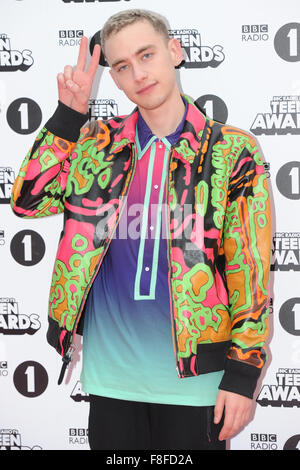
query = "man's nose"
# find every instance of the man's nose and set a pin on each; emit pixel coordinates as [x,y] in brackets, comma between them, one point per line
[139,73]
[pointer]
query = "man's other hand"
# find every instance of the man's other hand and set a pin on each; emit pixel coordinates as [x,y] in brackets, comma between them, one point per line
[237,411]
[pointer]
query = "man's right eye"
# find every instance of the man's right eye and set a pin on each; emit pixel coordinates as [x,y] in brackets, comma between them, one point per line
[122,68]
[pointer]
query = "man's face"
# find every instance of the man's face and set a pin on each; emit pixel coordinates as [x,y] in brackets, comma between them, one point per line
[142,64]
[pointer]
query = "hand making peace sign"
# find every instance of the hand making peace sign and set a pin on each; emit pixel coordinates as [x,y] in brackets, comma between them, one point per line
[74,87]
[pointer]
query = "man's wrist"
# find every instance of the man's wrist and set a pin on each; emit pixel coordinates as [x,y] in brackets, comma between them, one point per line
[66,122]
[239,377]
[82,109]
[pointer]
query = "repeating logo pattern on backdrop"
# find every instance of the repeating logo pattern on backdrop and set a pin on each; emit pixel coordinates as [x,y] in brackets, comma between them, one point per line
[286,251]
[70,37]
[78,436]
[12,322]
[3,369]
[287,42]
[288,179]
[102,108]
[7,179]
[196,53]
[289,316]
[293,443]
[12,60]
[215,108]
[255,32]
[286,392]
[27,247]
[24,116]
[11,439]
[2,237]
[262,441]
[279,117]
[30,379]
[283,119]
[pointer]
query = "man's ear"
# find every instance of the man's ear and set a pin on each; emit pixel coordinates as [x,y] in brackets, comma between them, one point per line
[174,47]
[114,78]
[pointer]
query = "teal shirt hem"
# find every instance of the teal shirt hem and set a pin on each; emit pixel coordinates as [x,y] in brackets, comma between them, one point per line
[207,394]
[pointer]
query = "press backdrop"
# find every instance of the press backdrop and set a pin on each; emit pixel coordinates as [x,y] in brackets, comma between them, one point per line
[242,64]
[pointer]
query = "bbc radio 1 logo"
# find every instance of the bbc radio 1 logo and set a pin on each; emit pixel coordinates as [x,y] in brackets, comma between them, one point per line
[293,443]
[102,109]
[27,247]
[24,115]
[11,439]
[285,393]
[260,441]
[288,180]
[213,106]
[289,316]
[255,32]
[287,42]
[3,369]
[78,436]
[11,59]
[30,379]
[286,251]
[283,119]
[70,37]
[12,322]
[2,237]
[267,168]
[197,54]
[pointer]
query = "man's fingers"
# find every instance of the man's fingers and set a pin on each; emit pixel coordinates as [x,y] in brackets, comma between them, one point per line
[237,412]
[219,408]
[73,87]
[233,422]
[81,61]
[68,72]
[231,425]
[94,62]
[61,81]
[79,99]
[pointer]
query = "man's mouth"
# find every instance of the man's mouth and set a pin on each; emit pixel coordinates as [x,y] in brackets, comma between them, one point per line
[146,89]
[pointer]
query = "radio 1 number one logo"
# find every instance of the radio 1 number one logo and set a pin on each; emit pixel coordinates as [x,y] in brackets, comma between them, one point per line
[287,42]
[30,379]
[288,180]
[214,107]
[289,316]
[27,247]
[24,116]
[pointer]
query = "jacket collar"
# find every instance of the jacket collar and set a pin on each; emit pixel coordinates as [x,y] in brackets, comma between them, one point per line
[189,140]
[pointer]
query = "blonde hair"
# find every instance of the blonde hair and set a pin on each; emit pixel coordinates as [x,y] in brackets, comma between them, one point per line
[120,20]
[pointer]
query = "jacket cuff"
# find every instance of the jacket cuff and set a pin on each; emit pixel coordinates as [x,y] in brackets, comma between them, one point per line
[66,122]
[240,377]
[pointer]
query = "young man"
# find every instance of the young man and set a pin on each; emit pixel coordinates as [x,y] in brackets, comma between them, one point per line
[188,282]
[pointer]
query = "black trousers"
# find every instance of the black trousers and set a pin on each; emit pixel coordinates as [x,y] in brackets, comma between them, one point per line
[129,425]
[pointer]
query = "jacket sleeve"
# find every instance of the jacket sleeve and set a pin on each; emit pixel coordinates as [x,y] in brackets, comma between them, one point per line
[39,188]
[247,250]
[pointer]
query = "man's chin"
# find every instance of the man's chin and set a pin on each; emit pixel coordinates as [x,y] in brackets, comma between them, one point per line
[149,104]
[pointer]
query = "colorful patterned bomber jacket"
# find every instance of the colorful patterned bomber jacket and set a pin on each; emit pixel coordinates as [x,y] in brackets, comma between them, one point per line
[218,247]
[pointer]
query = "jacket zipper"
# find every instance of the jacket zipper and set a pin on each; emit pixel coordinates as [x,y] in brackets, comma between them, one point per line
[173,329]
[67,357]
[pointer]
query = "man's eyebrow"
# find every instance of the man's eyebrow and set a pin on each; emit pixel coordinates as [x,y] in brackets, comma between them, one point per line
[139,51]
